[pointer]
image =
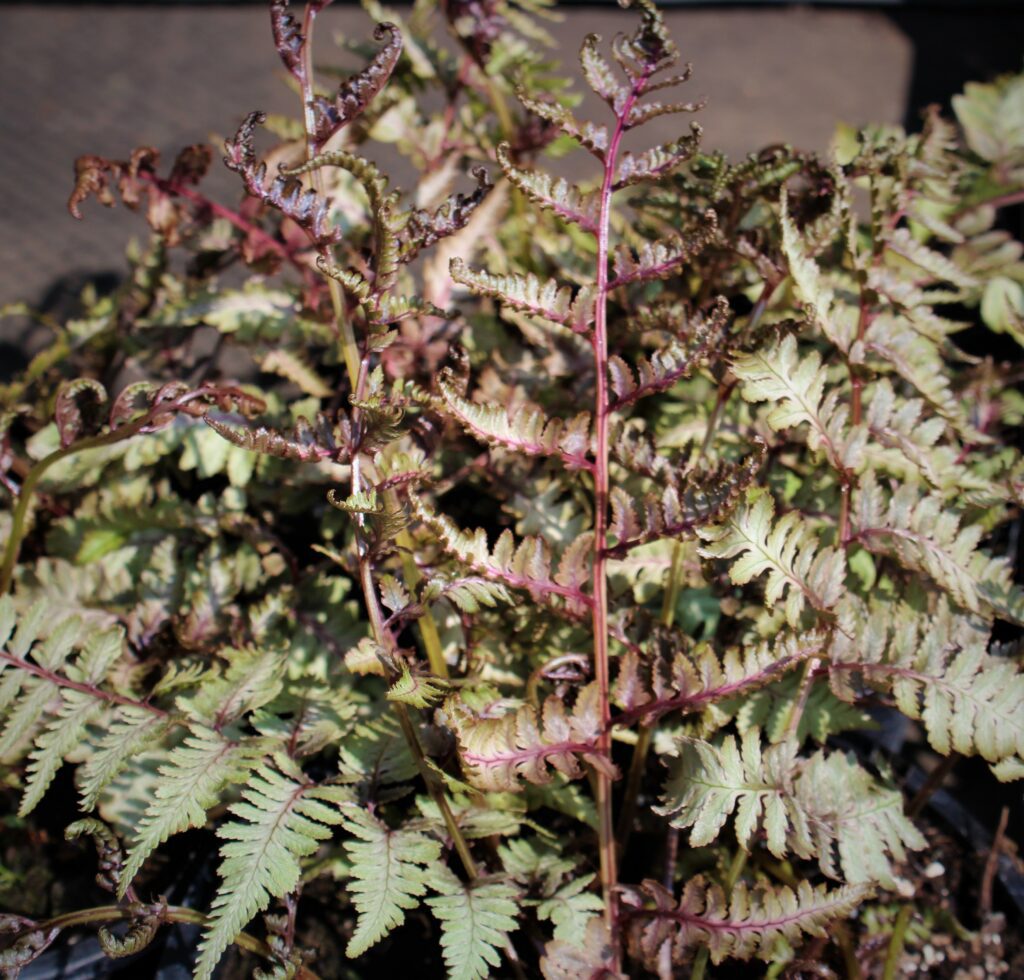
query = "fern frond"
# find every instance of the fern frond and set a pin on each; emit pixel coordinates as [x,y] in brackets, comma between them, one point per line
[306,208]
[570,909]
[589,136]
[77,406]
[192,779]
[140,933]
[467,593]
[293,367]
[127,735]
[786,549]
[523,566]
[386,521]
[795,387]
[707,783]
[694,681]
[661,259]
[851,813]
[908,437]
[672,363]
[66,731]
[416,689]
[425,228]
[898,346]
[939,672]
[376,754]
[699,500]
[53,698]
[552,193]
[280,819]
[523,743]
[901,242]
[925,535]
[356,92]
[658,161]
[750,922]
[476,920]
[643,112]
[600,75]
[525,292]
[816,295]
[306,443]
[593,957]
[390,871]
[818,808]
[251,678]
[527,431]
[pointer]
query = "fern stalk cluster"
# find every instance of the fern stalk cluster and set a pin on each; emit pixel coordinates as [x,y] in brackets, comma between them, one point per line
[537,526]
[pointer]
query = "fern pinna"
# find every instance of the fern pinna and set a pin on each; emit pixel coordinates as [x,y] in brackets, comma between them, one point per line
[740,493]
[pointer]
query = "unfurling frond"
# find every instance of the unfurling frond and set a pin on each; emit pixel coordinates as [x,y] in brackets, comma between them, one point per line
[527,431]
[476,920]
[523,566]
[373,182]
[356,93]
[795,388]
[281,819]
[288,37]
[661,259]
[788,550]
[521,292]
[78,405]
[750,922]
[924,535]
[698,500]
[389,875]
[286,194]
[554,193]
[523,743]
[108,850]
[140,933]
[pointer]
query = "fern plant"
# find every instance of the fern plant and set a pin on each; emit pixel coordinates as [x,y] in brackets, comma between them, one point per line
[547,525]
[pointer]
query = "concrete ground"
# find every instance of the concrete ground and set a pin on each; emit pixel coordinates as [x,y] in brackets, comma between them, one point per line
[103,79]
